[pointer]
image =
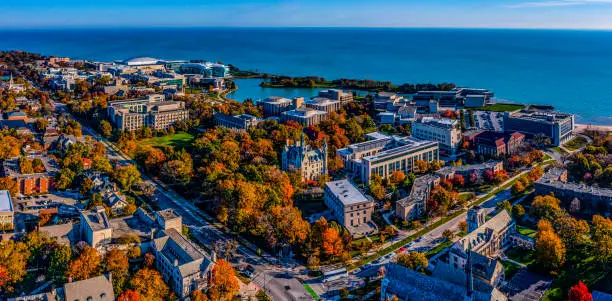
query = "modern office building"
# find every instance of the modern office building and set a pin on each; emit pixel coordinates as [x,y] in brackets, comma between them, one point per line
[274,106]
[323,104]
[311,163]
[558,127]
[335,94]
[414,205]
[207,70]
[7,211]
[401,155]
[383,100]
[305,116]
[386,154]
[446,131]
[350,207]
[240,122]
[579,197]
[134,114]
[498,144]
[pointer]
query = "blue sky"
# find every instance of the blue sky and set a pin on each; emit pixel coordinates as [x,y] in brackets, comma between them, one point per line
[575,14]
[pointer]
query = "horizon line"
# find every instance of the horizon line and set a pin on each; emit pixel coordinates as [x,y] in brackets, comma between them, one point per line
[89,27]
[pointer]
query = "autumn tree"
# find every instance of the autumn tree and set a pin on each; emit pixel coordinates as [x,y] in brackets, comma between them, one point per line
[413,260]
[420,166]
[13,259]
[129,295]
[105,128]
[601,235]
[87,265]
[9,184]
[550,250]
[116,263]
[223,284]
[332,244]
[504,205]
[518,211]
[127,176]
[579,292]
[448,234]
[463,226]
[518,188]
[198,295]
[545,207]
[572,231]
[397,177]
[149,284]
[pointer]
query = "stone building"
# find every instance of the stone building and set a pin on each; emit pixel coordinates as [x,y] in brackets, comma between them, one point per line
[498,144]
[414,205]
[158,114]
[184,266]
[312,163]
[351,208]
[591,199]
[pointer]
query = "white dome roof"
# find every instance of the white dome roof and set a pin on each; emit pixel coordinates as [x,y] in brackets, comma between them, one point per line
[136,61]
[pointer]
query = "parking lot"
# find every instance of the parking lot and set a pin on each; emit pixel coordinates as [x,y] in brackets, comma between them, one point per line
[490,121]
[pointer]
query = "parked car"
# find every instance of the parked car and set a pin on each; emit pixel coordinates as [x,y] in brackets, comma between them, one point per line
[249,271]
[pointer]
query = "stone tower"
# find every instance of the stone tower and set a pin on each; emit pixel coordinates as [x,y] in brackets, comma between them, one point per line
[475,218]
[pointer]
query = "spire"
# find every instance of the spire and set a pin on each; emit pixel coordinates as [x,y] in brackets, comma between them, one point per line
[469,277]
[302,140]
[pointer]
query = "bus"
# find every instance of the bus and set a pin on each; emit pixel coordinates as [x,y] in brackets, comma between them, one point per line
[334,274]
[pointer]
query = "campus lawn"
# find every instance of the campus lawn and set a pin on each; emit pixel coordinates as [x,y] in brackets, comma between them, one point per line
[177,140]
[526,231]
[576,143]
[510,269]
[521,255]
[501,107]
[579,266]
[439,248]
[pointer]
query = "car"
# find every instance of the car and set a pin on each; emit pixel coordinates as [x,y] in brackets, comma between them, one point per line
[402,249]
[249,271]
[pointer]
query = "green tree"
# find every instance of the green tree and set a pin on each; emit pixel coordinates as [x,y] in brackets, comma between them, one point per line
[59,262]
[413,260]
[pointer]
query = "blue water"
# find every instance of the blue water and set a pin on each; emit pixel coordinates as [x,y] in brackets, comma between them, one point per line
[571,70]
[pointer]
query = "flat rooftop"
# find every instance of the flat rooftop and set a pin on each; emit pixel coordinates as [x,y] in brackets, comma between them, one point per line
[6,205]
[346,192]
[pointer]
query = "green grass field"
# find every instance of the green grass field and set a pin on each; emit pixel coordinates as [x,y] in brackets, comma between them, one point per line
[501,107]
[576,143]
[526,231]
[177,140]
[510,269]
[520,255]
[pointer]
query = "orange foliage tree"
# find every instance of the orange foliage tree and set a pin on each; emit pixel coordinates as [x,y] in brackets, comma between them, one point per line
[87,265]
[224,284]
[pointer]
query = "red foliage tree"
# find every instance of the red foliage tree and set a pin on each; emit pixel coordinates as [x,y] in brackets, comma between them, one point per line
[579,292]
[458,180]
[129,295]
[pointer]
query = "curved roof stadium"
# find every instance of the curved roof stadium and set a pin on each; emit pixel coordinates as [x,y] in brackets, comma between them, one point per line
[141,61]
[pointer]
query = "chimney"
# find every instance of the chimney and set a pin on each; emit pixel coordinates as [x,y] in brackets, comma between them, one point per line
[69,279]
[175,262]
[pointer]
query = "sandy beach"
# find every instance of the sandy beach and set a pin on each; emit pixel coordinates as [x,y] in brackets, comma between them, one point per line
[582,127]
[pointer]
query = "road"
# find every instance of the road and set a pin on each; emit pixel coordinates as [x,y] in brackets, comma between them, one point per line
[280,282]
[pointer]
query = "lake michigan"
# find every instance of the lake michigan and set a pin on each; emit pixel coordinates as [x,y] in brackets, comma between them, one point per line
[569,69]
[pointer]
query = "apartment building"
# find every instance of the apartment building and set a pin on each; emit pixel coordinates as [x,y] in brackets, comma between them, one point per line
[446,131]
[350,207]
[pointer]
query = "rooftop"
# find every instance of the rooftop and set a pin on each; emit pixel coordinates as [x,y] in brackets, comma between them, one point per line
[346,192]
[6,204]
[96,218]
[96,289]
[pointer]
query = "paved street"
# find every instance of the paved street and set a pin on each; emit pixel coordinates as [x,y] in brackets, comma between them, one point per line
[279,283]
